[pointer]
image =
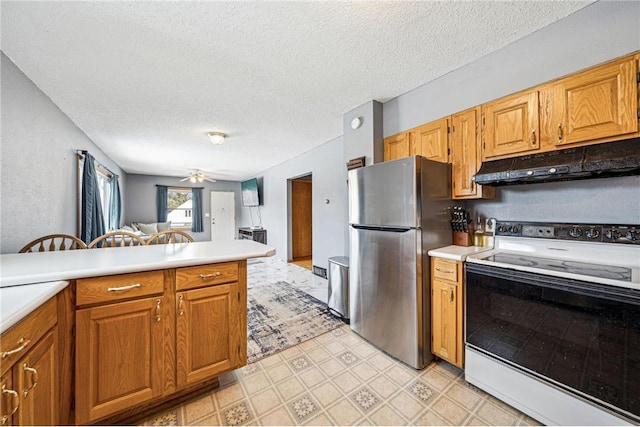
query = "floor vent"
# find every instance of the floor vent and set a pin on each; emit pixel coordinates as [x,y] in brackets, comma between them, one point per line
[319,271]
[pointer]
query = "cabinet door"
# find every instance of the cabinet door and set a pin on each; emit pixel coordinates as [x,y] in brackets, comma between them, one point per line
[9,400]
[397,146]
[209,332]
[444,320]
[432,140]
[511,125]
[465,153]
[120,357]
[599,103]
[37,382]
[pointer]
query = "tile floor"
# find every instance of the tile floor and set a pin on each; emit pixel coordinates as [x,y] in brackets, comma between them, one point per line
[338,379]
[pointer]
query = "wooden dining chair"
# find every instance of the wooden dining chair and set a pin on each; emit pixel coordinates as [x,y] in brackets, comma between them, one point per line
[115,239]
[54,242]
[169,236]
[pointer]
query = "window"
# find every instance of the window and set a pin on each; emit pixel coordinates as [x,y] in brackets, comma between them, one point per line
[180,207]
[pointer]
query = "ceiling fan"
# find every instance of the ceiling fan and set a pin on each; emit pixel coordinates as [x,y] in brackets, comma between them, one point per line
[197,176]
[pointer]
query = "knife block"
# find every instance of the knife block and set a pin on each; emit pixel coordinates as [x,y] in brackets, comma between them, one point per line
[463,238]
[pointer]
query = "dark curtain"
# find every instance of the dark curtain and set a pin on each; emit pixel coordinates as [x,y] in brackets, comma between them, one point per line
[92,218]
[161,202]
[196,226]
[115,208]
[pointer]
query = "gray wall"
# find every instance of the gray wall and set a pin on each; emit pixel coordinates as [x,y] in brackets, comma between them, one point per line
[141,199]
[38,172]
[367,140]
[327,167]
[599,32]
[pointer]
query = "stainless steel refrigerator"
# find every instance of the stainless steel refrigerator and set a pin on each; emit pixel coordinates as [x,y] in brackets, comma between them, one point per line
[398,210]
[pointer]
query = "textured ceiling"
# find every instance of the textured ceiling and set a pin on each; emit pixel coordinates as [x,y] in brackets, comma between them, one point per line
[146,81]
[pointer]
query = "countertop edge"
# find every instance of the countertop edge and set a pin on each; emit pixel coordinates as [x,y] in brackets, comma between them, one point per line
[457,253]
[21,306]
[79,273]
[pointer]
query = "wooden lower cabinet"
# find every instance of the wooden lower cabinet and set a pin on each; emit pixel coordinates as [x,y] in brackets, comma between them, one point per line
[141,351]
[447,311]
[30,383]
[208,340]
[120,357]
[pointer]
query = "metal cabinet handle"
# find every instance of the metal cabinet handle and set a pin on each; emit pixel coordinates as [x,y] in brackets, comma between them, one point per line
[34,378]
[444,271]
[158,317]
[15,403]
[180,305]
[560,133]
[533,137]
[124,288]
[206,276]
[451,295]
[23,342]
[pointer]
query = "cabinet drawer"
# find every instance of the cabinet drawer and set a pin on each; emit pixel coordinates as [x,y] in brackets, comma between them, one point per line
[445,269]
[206,275]
[18,340]
[119,287]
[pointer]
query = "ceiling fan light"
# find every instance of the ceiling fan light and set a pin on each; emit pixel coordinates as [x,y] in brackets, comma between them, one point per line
[200,179]
[192,179]
[217,138]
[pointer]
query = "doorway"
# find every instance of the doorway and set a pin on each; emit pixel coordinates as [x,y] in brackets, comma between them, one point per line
[223,215]
[301,221]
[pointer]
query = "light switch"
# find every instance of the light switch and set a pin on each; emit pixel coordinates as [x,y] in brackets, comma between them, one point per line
[206,214]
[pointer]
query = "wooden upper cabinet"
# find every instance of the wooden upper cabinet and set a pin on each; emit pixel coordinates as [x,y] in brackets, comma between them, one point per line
[598,103]
[511,125]
[466,156]
[397,146]
[432,140]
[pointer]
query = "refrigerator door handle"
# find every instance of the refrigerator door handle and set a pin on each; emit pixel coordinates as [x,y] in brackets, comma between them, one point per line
[389,229]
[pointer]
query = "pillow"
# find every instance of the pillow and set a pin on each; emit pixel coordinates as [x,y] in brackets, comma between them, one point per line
[127,228]
[134,225]
[148,228]
[164,226]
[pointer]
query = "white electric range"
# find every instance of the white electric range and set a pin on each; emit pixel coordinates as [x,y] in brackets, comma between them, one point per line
[553,321]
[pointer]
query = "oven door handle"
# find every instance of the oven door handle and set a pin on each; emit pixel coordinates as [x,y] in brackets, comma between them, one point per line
[613,293]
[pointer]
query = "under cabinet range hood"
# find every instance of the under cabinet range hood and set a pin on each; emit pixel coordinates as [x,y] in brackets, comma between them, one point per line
[592,161]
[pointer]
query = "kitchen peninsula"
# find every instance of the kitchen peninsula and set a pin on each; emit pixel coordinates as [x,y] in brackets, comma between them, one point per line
[147,325]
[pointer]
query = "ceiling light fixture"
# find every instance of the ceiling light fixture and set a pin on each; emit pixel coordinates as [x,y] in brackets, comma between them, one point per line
[217,138]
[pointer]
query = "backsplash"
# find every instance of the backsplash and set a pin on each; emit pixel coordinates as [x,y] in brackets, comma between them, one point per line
[606,200]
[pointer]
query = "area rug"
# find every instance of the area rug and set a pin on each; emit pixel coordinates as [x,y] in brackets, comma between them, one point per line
[280,316]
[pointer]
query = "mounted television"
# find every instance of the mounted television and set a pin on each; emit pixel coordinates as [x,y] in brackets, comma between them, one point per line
[250,195]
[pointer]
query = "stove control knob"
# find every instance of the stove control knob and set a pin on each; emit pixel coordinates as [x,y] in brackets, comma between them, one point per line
[593,233]
[612,234]
[632,235]
[513,229]
[575,232]
[502,228]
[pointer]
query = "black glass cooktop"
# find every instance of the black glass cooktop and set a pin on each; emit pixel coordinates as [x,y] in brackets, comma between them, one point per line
[573,267]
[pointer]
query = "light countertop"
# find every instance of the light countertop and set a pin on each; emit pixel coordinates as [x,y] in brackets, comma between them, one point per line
[18,301]
[22,269]
[457,253]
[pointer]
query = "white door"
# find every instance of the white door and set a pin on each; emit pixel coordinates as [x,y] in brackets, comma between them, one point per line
[223,215]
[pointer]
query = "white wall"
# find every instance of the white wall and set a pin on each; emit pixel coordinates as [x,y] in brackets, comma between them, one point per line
[597,33]
[141,199]
[327,167]
[38,172]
